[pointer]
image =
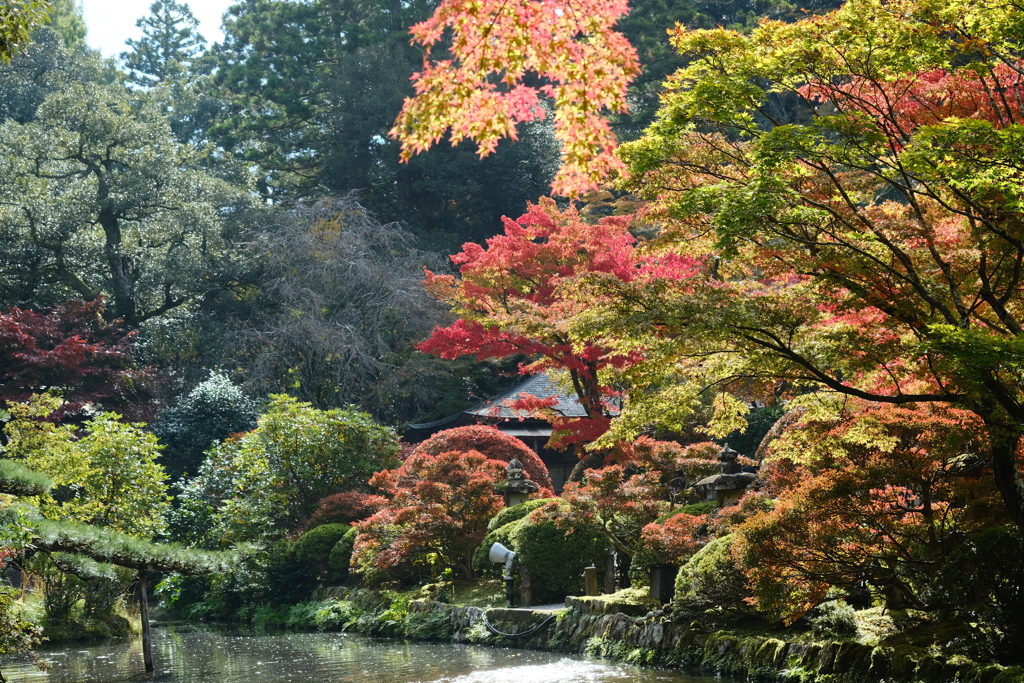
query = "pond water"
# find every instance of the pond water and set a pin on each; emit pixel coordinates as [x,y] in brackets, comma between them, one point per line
[206,656]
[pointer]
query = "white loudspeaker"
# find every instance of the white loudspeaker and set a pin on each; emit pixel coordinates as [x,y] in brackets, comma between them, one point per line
[500,553]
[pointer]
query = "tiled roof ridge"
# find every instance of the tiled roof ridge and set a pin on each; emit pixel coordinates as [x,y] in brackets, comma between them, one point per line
[539,385]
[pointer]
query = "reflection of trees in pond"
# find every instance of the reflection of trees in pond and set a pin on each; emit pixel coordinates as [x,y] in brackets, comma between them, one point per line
[205,656]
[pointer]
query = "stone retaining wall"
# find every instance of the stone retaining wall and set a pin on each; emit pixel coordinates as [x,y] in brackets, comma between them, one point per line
[595,627]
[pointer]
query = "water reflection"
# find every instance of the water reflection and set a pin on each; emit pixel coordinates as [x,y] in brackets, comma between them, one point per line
[202,656]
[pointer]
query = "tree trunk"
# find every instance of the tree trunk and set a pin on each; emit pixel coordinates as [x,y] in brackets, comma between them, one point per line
[117,264]
[147,637]
[1004,441]
[625,562]
[588,461]
[466,567]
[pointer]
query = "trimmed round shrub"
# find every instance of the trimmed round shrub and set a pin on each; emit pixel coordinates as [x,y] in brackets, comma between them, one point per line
[556,559]
[494,444]
[288,580]
[555,556]
[710,578]
[482,566]
[517,512]
[314,547]
[341,556]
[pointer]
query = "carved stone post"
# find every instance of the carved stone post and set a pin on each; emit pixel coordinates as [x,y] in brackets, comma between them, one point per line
[590,578]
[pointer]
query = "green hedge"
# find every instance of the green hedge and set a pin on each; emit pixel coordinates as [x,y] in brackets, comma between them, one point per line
[710,578]
[556,556]
[314,548]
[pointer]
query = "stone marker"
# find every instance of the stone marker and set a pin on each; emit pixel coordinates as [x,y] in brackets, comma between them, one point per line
[590,578]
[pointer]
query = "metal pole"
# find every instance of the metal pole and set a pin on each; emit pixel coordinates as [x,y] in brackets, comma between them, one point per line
[510,589]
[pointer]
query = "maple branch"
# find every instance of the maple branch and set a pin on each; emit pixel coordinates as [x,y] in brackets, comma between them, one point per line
[999,304]
[773,343]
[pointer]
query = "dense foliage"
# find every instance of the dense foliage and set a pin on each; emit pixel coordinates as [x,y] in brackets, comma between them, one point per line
[555,557]
[69,348]
[212,411]
[265,482]
[508,302]
[492,443]
[438,513]
[814,250]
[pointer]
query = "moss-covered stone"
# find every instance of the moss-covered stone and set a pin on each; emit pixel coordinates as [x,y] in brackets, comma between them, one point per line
[710,578]
[770,652]
[657,639]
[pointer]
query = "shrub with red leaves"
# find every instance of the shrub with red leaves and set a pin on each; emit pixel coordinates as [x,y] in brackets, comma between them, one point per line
[343,508]
[438,514]
[495,445]
[70,349]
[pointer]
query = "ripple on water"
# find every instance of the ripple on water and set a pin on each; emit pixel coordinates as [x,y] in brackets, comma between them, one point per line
[567,670]
[209,656]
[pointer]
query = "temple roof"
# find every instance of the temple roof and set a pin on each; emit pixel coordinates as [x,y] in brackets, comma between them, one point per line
[539,385]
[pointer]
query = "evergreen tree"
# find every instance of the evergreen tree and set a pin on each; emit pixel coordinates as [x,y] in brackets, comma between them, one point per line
[67,18]
[212,411]
[170,46]
[97,197]
[310,91]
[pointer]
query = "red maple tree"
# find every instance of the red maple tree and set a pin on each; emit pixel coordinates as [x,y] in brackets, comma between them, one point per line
[440,505]
[502,58]
[70,349]
[624,498]
[510,300]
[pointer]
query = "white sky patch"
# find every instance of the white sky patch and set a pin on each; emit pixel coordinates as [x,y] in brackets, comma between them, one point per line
[111,22]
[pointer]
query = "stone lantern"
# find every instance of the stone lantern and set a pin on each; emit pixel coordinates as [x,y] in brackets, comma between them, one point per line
[731,482]
[516,488]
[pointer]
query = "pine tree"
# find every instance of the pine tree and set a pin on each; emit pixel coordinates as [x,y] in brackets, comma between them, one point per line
[170,45]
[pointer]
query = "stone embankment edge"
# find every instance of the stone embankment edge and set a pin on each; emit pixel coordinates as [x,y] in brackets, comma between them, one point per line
[593,627]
